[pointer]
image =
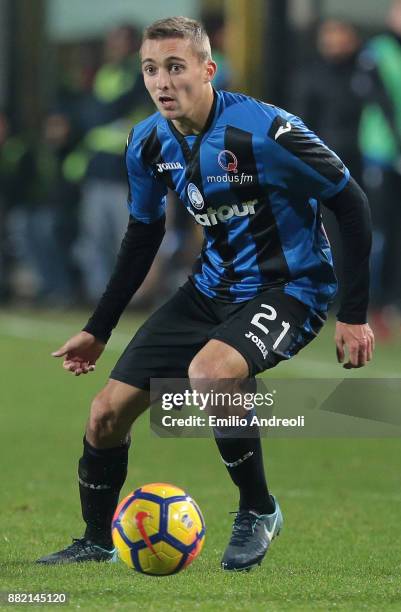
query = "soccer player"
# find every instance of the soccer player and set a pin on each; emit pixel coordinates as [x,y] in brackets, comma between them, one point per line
[253,176]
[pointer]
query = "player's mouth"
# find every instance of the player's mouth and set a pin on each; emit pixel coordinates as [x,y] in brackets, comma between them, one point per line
[166,102]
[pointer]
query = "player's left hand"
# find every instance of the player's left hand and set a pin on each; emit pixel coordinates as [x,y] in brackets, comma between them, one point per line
[360,342]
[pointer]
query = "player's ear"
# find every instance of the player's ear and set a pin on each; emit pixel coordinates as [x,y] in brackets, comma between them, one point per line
[210,70]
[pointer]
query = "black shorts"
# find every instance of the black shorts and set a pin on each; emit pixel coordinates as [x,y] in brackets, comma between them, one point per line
[265,330]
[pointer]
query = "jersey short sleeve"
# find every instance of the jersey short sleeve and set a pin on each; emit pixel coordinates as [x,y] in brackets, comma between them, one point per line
[146,195]
[299,161]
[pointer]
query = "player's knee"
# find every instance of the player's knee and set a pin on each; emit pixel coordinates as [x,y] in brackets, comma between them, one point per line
[218,378]
[103,419]
[201,369]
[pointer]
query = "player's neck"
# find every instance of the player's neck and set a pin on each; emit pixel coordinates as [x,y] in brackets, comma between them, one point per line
[195,123]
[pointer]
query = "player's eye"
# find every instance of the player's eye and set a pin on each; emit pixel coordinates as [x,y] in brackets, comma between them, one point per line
[176,68]
[149,69]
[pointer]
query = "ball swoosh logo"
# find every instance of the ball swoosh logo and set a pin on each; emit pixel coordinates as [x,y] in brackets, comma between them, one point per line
[139,519]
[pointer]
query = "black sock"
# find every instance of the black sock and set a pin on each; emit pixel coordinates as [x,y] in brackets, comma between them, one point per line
[243,459]
[101,473]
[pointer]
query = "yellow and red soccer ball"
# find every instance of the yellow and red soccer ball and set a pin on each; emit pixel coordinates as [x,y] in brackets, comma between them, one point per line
[158,529]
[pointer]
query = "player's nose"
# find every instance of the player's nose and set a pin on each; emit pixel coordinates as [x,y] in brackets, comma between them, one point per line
[163,80]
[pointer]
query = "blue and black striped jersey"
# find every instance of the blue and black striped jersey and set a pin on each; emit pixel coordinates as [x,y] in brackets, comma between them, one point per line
[253,179]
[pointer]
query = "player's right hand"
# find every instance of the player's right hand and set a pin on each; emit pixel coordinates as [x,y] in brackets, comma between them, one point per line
[80,353]
[358,339]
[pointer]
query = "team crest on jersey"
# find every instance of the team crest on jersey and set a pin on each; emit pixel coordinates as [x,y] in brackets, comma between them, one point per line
[195,196]
[228,161]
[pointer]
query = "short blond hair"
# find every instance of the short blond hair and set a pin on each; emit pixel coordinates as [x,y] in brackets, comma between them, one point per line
[181,27]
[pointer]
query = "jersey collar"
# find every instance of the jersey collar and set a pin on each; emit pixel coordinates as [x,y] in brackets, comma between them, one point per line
[189,153]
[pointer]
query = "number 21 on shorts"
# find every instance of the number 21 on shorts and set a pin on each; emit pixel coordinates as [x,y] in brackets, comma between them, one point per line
[271,315]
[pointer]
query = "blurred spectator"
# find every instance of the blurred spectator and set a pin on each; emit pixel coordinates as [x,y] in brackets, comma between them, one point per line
[77,64]
[326,97]
[118,100]
[16,179]
[380,137]
[326,93]
[48,216]
[215,26]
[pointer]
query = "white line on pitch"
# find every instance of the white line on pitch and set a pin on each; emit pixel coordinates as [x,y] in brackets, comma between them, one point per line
[16,326]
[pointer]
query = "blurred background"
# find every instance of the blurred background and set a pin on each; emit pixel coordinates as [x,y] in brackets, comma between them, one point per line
[71,88]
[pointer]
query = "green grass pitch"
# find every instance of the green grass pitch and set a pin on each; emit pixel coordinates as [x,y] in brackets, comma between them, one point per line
[340,548]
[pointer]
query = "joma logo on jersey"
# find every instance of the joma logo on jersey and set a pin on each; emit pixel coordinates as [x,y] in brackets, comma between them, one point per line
[169,166]
[213,216]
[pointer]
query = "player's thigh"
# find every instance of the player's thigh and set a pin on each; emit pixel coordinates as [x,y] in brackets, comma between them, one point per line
[218,360]
[270,328]
[167,342]
[219,368]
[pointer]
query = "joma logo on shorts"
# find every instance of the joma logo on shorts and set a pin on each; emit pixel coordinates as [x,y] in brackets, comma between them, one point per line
[213,216]
[169,166]
[261,345]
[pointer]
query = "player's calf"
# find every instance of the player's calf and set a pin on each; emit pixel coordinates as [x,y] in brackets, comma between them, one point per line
[102,470]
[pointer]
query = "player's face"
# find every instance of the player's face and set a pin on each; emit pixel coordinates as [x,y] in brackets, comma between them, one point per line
[175,77]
